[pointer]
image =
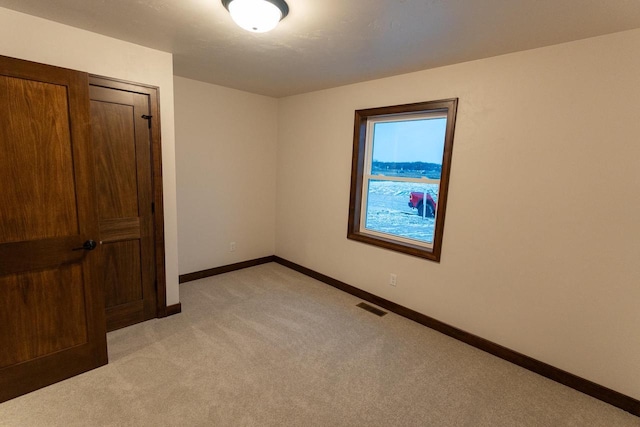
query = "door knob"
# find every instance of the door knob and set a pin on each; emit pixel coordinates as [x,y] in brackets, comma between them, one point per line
[89,245]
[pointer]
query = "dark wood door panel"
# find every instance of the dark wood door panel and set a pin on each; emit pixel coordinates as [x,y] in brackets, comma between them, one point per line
[37,373]
[35,130]
[114,142]
[17,257]
[115,229]
[122,139]
[52,322]
[43,312]
[123,272]
[110,90]
[123,315]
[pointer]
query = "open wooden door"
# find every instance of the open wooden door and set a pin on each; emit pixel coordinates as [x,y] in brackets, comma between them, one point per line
[52,323]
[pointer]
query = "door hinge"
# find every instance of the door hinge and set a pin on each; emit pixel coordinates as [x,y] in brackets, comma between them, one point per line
[153,207]
[148,118]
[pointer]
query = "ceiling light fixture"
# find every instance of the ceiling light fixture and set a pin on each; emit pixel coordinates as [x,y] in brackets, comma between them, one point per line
[257,16]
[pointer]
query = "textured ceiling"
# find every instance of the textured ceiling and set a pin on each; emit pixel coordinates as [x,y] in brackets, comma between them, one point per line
[328,43]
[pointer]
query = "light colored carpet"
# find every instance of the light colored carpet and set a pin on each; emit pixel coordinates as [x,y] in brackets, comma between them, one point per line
[267,346]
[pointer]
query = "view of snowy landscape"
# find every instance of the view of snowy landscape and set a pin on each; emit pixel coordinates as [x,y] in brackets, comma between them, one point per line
[388,210]
[405,151]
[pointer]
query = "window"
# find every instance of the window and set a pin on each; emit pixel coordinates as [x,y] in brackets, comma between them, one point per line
[400,174]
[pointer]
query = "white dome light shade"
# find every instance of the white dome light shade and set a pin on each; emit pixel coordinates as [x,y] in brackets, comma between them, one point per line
[257,16]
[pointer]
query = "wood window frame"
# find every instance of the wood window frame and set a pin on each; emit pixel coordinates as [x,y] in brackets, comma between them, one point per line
[358,167]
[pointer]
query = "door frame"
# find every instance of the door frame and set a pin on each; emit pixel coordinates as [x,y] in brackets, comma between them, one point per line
[156,178]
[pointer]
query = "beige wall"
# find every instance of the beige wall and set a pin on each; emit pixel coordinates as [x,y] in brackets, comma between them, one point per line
[34,39]
[542,239]
[226,160]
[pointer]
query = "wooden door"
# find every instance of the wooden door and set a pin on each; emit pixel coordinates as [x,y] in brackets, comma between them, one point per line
[52,323]
[120,124]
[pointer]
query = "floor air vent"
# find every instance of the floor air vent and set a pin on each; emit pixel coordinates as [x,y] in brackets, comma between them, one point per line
[372,309]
